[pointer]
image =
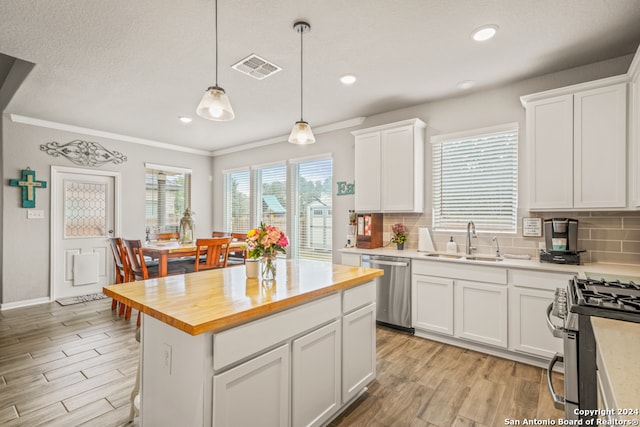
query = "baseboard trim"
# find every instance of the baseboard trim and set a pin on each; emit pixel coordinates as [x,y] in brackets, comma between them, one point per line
[505,354]
[24,303]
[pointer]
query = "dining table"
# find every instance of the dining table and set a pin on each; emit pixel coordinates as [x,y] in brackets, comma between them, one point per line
[162,251]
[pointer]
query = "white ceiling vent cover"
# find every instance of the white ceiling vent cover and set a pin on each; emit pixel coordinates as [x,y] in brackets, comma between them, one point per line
[256,67]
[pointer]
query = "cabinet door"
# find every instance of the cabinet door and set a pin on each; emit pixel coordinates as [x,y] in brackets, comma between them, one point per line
[528,331]
[550,152]
[255,393]
[367,172]
[600,143]
[398,173]
[432,304]
[315,378]
[481,312]
[358,351]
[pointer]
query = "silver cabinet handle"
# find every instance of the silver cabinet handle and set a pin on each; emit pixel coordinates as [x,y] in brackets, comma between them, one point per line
[556,330]
[558,401]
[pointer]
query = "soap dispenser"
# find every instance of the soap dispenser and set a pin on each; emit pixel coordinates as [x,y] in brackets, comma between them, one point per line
[452,248]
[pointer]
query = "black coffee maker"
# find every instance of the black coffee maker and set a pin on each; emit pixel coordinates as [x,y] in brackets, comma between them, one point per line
[561,238]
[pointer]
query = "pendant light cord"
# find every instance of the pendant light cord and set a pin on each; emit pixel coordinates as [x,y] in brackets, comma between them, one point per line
[216,31]
[301,75]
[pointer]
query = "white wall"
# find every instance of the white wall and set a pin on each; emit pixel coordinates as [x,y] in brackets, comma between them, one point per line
[468,111]
[25,251]
[26,243]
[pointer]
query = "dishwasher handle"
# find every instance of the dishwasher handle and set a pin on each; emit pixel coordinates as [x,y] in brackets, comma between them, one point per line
[391,263]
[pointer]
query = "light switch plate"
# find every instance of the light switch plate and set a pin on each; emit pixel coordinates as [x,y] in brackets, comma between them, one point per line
[35,214]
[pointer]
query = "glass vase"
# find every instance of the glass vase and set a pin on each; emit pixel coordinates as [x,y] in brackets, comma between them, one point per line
[268,268]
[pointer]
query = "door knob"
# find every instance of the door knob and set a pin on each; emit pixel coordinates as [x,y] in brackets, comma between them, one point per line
[110,231]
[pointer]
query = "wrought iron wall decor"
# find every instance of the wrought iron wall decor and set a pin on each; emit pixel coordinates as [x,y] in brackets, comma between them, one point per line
[84,153]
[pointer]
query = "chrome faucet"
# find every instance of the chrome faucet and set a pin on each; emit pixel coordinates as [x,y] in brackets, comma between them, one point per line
[495,239]
[471,232]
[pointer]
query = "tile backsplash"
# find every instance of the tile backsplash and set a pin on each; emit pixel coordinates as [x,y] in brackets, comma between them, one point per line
[610,237]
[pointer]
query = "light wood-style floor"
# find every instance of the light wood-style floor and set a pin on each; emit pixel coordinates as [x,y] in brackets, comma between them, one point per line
[76,365]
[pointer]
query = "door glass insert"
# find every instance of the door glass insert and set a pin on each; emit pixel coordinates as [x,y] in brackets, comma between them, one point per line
[85,209]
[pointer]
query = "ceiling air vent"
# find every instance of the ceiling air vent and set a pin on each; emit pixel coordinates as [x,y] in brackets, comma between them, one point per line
[256,67]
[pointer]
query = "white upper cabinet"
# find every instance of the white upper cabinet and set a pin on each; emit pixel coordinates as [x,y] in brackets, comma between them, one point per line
[634,127]
[600,148]
[367,172]
[577,146]
[550,152]
[389,167]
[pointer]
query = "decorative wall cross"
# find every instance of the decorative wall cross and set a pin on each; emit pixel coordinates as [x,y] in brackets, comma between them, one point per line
[28,183]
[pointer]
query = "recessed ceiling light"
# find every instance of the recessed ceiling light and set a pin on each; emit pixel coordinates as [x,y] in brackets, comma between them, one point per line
[348,79]
[467,84]
[484,33]
[185,119]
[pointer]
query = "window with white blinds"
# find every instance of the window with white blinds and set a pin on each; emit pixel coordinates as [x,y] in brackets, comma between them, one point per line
[312,216]
[475,178]
[271,196]
[237,199]
[167,195]
[295,197]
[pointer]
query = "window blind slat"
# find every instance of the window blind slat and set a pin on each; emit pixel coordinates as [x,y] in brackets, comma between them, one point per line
[475,179]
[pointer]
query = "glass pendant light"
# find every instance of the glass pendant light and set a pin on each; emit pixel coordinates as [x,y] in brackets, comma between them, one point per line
[215,104]
[301,132]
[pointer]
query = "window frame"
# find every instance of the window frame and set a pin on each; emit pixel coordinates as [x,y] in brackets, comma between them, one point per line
[187,188]
[504,224]
[291,194]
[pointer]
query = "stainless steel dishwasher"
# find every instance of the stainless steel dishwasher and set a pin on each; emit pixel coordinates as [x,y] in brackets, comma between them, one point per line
[393,302]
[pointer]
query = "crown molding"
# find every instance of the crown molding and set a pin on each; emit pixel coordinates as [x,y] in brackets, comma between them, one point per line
[284,138]
[102,134]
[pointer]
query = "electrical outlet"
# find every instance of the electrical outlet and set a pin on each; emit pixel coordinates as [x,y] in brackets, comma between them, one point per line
[35,214]
[166,358]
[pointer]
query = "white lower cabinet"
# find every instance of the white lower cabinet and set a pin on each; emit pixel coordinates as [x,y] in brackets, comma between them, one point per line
[358,351]
[432,304]
[255,393]
[481,312]
[315,378]
[528,331]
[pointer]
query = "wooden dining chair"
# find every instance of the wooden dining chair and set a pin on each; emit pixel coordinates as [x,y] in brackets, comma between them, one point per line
[215,255]
[238,256]
[123,269]
[162,237]
[140,269]
[219,234]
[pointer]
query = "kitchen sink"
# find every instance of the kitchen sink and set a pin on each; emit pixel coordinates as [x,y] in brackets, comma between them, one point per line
[463,257]
[450,256]
[482,258]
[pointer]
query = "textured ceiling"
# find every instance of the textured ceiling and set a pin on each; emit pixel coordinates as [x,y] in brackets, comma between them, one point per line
[133,67]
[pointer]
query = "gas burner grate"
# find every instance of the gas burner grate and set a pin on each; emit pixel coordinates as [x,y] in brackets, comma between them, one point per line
[607,295]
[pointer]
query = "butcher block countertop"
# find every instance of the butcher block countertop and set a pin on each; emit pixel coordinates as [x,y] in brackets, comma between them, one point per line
[618,347]
[214,300]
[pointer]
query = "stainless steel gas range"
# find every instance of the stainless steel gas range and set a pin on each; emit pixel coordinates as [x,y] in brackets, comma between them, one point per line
[574,306]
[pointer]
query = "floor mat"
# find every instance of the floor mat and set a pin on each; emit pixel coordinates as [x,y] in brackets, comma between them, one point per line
[81,298]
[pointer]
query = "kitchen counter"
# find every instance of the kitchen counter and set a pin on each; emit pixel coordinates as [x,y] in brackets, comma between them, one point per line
[249,344]
[594,270]
[618,350]
[213,300]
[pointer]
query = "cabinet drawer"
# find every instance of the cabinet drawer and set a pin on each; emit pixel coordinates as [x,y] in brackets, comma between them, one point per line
[243,341]
[539,279]
[460,270]
[359,296]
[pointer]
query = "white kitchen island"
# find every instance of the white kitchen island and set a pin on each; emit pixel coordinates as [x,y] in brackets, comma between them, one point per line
[222,350]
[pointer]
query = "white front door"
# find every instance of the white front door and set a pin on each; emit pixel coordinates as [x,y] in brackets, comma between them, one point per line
[83,215]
